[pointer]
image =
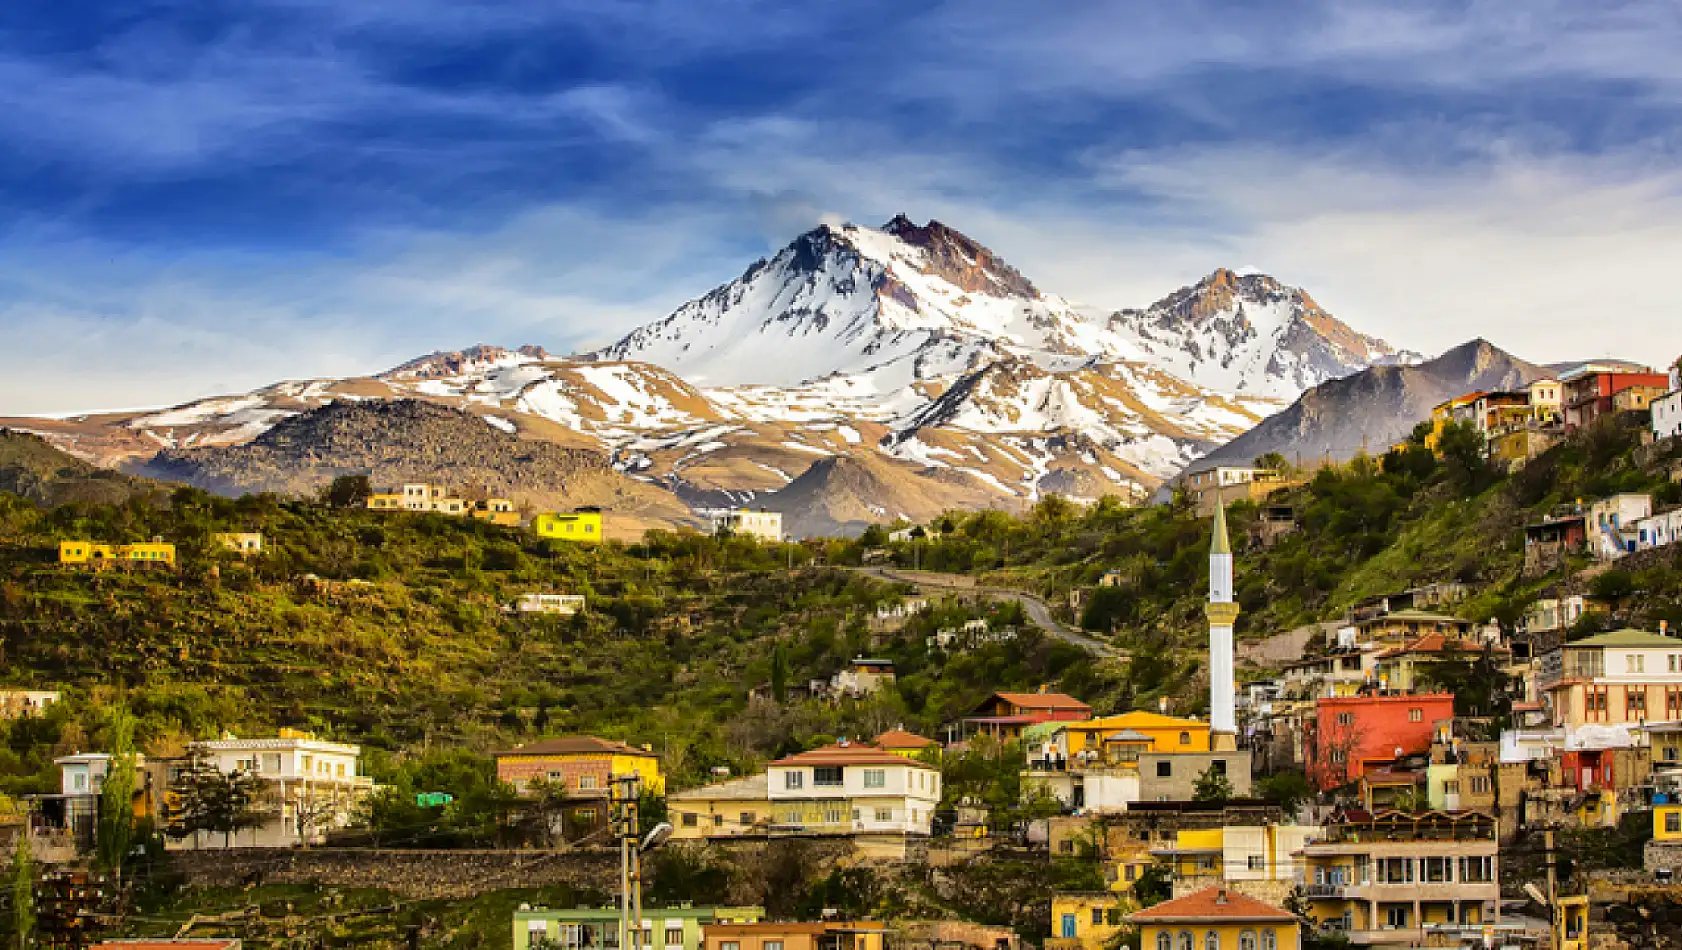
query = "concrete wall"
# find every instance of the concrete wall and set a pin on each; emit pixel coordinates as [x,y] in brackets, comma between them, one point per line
[1185,768]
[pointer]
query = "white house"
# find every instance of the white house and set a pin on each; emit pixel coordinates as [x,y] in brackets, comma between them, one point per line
[310,787]
[761,524]
[1667,409]
[853,789]
[26,702]
[1554,613]
[1611,523]
[563,604]
[1656,531]
[84,773]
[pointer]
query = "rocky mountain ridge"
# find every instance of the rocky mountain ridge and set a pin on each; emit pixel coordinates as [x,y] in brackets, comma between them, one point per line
[912,349]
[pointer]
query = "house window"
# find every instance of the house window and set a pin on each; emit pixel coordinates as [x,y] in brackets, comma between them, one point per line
[1396,918]
[1270,940]
[1185,738]
[1672,822]
[586,781]
[1451,788]
[772,945]
[1635,702]
[884,814]
[1164,941]
[1097,916]
[1480,785]
[1635,662]
[1131,872]
[794,780]
[1219,765]
[834,815]
[729,945]
[1257,862]
[690,819]
[1339,756]
[1395,871]
[674,936]
[1066,846]
[1477,870]
[878,778]
[1211,941]
[718,821]
[746,818]
[1164,770]
[1186,941]
[826,775]
[1438,870]
[1247,940]
[1416,715]
[1346,719]
[585,815]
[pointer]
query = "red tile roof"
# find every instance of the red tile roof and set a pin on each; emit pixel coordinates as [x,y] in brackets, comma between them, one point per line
[1210,904]
[575,745]
[850,754]
[1043,701]
[1438,643]
[900,739]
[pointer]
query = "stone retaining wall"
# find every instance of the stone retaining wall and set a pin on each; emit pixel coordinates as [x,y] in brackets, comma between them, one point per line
[416,874]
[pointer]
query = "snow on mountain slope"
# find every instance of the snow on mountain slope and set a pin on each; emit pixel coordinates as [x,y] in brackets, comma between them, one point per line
[1250,334]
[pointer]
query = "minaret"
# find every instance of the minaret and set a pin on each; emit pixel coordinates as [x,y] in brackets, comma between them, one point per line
[1222,612]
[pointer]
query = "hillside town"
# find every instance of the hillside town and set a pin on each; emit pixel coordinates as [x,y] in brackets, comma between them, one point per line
[1404,775]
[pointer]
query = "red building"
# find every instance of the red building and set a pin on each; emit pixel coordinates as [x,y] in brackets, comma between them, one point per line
[1594,391]
[1353,734]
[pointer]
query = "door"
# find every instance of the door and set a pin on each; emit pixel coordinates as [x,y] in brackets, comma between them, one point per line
[1069,926]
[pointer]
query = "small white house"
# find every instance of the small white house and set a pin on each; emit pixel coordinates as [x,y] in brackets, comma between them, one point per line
[1657,531]
[26,702]
[1611,523]
[761,524]
[564,604]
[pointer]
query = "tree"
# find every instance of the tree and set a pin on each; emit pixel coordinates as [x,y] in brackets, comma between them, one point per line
[1291,790]
[23,892]
[208,800]
[1212,786]
[349,491]
[116,799]
[1155,885]
[779,673]
[1461,446]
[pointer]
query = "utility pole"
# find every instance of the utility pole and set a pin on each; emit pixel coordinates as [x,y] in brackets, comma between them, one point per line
[1553,876]
[626,790]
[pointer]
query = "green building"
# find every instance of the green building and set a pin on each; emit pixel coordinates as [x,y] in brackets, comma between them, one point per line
[597,928]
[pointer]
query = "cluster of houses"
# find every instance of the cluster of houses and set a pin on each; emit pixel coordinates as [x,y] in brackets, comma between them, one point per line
[582,524]
[1607,528]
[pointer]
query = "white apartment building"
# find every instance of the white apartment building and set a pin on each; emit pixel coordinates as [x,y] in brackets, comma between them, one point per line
[1545,399]
[1554,613]
[311,787]
[853,789]
[761,524]
[427,497]
[1626,677]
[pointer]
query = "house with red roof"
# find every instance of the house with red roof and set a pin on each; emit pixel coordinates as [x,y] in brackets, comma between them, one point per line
[1216,918]
[856,790]
[1003,716]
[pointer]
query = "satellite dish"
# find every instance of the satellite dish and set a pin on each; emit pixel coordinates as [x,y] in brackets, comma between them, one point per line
[657,836]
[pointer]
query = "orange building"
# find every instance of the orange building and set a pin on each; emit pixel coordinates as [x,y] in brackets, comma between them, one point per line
[1004,715]
[1353,733]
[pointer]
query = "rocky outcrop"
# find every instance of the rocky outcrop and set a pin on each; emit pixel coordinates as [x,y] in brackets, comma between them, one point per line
[1374,408]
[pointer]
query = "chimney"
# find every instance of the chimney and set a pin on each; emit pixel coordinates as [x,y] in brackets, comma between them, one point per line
[1220,896]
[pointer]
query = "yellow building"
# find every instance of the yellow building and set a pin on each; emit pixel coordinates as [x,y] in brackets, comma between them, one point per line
[724,810]
[386,501]
[1084,920]
[1215,918]
[143,554]
[1667,822]
[583,525]
[583,765]
[497,511]
[1167,734]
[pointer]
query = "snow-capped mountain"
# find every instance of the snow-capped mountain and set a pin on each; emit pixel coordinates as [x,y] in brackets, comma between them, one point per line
[1250,334]
[930,302]
[907,356]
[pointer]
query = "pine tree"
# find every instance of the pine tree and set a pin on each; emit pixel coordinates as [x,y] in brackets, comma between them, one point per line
[116,798]
[23,892]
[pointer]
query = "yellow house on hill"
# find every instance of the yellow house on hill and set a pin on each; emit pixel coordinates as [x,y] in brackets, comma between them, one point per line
[100,555]
[585,526]
[582,766]
[1084,920]
[499,511]
[1667,823]
[1215,918]
[1167,734]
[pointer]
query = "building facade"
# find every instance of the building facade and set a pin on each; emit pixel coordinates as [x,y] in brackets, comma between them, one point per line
[597,928]
[853,790]
[1353,733]
[1216,918]
[820,935]
[1386,878]
[761,524]
[581,526]
[583,766]
[310,787]
[1621,678]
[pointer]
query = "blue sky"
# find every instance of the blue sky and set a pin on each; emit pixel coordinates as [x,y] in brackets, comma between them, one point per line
[202,197]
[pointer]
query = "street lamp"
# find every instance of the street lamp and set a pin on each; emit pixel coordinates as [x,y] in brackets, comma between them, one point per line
[627,790]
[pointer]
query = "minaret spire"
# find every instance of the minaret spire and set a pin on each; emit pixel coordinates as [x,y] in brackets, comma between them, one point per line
[1222,613]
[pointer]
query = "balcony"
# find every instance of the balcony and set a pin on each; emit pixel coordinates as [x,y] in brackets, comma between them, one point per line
[1325,891]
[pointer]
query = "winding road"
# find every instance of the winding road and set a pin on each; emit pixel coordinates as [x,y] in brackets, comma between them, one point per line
[1035,607]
